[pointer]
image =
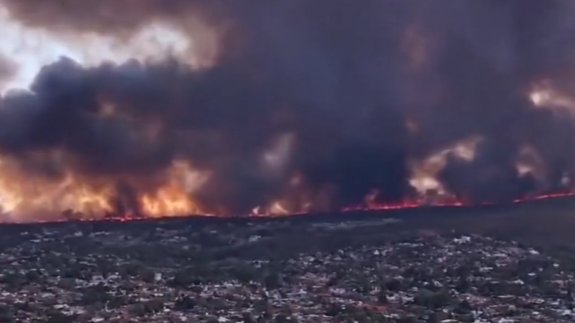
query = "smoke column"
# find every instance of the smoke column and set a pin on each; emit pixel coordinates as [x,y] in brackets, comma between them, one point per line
[173,107]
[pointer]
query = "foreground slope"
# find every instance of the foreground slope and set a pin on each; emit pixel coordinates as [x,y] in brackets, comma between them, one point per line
[426,265]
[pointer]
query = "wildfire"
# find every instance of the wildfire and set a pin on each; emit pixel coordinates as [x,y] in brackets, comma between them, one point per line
[280,208]
[72,196]
[77,197]
[169,200]
[447,203]
[424,173]
[203,107]
[175,197]
[275,209]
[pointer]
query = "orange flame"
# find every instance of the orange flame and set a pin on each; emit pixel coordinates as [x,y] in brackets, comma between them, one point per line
[45,198]
[175,197]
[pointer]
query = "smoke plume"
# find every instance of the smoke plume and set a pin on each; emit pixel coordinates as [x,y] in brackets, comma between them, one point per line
[152,107]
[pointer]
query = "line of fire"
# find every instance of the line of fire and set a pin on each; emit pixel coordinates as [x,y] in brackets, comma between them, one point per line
[283,108]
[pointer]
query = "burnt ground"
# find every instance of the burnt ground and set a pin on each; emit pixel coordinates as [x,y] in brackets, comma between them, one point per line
[546,224]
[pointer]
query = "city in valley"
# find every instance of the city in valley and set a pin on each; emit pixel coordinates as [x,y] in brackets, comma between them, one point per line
[491,264]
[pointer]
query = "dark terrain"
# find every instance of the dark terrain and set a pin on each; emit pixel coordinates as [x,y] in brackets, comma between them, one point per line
[487,264]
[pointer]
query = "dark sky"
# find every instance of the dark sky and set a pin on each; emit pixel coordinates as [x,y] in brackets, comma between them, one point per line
[343,95]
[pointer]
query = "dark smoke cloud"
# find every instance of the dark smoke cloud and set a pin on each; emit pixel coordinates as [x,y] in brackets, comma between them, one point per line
[6,69]
[490,177]
[341,77]
[106,16]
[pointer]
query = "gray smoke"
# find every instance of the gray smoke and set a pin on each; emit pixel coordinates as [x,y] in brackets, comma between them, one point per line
[341,77]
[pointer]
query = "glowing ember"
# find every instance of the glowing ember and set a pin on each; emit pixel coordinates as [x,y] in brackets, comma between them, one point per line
[448,203]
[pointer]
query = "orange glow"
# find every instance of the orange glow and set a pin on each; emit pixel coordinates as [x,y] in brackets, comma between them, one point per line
[174,198]
[42,198]
[447,203]
[424,173]
[72,197]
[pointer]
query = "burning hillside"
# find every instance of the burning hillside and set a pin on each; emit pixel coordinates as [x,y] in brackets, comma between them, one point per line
[174,107]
